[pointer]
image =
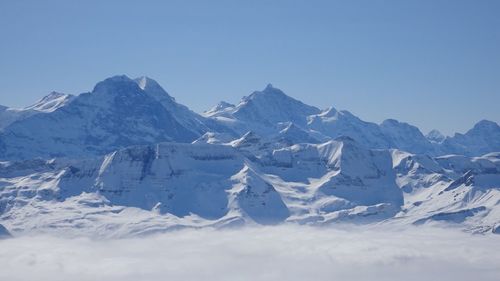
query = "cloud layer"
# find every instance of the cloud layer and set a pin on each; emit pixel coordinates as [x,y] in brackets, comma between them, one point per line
[265,253]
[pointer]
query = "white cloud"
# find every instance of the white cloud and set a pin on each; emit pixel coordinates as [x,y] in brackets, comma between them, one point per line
[267,253]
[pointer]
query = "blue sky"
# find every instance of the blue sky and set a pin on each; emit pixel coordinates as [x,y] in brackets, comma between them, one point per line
[435,64]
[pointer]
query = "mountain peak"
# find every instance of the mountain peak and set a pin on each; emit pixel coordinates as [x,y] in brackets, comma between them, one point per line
[272,106]
[143,81]
[50,102]
[485,124]
[146,83]
[221,106]
[435,136]
[269,90]
[269,86]
[114,84]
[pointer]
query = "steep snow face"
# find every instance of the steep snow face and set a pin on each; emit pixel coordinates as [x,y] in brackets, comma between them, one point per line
[406,137]
[183,115]
[483,138]
[51,102]
[256,198]
[365,177]
[117,113]
[171,178]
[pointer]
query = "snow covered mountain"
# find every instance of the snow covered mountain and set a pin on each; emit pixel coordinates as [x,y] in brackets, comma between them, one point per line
[407,137]
[117,113]
[127,159]
[262,111]
[151,188]
[47,104]
[435,136]
[483,138]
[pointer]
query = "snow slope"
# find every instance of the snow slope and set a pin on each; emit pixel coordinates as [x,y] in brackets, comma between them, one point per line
[47,104]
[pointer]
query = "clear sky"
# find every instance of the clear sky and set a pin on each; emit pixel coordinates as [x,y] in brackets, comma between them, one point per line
[434,64]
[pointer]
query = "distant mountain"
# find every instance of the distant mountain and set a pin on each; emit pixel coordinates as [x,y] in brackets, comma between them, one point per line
[262,111]
[483,138]
[407,137]
[435,136]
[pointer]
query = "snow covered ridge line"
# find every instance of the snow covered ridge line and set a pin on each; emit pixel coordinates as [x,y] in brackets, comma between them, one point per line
[156,188]
[120,112]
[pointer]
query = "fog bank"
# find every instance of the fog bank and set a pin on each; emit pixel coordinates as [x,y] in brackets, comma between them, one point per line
[265,253]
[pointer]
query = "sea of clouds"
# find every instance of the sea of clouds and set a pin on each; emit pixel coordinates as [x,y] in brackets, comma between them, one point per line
[263,253]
